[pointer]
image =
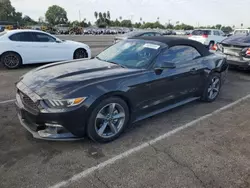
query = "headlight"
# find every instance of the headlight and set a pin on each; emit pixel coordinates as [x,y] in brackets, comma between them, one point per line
[64,103]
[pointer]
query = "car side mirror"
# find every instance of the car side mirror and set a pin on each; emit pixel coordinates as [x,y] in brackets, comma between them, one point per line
[58,41]
[167,65]
[164,65]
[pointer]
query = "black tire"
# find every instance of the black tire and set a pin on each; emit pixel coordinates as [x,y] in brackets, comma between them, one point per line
[211,44]
[11,60]
[80,53]
[210,86]
[92,131]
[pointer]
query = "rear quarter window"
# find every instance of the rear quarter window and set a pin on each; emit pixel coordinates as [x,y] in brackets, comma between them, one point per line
[201,32]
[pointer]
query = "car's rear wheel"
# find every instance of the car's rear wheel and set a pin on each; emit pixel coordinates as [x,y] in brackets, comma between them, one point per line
[108,120]
[11,60]
[212,88]
[80,53]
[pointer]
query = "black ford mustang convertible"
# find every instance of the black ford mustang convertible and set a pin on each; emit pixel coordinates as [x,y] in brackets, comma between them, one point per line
[131,80]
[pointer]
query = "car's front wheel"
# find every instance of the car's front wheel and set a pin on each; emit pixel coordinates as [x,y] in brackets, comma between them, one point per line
[11,60]
[80,53]
[108,120]
[212,88]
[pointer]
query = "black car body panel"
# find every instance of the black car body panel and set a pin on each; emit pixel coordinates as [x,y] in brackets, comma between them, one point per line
[234,47]
[145,91]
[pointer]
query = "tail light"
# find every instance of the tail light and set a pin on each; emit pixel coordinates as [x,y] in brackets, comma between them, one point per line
[248,52]
[214,47]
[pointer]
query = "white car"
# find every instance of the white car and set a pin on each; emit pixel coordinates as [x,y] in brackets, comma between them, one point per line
[208,37]
[241,32]
[19,47]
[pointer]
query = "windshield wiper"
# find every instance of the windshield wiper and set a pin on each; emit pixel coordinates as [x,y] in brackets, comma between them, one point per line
[110,62]
[116,64]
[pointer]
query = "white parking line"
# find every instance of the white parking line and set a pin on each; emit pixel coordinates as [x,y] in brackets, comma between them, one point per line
[8,101]
[111,161]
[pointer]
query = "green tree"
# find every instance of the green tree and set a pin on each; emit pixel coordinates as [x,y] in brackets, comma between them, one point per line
[100,16]
[28,21]
[108,15]
[96,15]
[227,29]
[56,15]
[126,23]
[218,26]
[170,26]
[104,15]
[8,12]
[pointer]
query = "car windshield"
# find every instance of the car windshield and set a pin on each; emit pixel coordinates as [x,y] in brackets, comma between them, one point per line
[2,33]
[201,32]
[131,53]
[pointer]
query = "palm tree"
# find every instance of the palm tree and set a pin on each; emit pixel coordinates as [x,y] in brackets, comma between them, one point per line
[120,18]
[108,15]
[104,15]
[100,16]
[158,18]
[140,19]
[96,15]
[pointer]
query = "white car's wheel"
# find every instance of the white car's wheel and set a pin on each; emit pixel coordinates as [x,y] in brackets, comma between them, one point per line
[11,60]
[80,53]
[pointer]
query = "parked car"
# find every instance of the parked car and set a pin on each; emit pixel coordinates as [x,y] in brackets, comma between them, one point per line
[136,34]
[241,32]
[207,37]
[237,49]
[129,81]
[19,47]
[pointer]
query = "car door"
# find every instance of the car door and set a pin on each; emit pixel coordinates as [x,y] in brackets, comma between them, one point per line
[181,81]
[23,43]
[50,49]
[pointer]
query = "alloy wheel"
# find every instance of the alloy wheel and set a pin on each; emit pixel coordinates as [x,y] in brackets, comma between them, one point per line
[11,61]
[80,54]
[110,120]
[214,88]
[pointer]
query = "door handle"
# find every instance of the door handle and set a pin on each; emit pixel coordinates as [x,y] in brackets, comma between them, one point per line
[193,70]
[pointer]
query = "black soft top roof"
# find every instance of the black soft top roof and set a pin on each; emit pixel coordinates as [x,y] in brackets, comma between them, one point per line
[173,41]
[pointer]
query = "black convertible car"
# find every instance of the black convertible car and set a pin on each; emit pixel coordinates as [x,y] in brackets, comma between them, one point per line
[131,80]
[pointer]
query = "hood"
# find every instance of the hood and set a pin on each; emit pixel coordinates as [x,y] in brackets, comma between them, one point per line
[58,80]
[237,40]
[70,42]
[121,37]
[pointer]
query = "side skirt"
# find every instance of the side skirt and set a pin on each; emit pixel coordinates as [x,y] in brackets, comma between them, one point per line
[166,108]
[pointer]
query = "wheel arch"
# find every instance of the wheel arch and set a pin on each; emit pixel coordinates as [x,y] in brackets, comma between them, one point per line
[10,51]
[81,48]
[118,94]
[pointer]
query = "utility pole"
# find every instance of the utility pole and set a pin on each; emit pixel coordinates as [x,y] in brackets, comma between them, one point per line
[79,16]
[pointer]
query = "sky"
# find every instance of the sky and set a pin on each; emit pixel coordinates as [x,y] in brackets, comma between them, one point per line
[194,12]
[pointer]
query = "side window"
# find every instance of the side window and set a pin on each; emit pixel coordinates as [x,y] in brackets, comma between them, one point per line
[158,34]
[178,54]
[217,33]
[22,37]
[41,37]
[148,34]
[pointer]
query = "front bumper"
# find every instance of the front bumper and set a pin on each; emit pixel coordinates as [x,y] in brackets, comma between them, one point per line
[67,125]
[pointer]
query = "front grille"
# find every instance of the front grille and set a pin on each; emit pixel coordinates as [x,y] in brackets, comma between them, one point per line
[28,102]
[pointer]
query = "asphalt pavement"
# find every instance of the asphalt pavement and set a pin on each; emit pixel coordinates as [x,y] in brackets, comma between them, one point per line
[212,153]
